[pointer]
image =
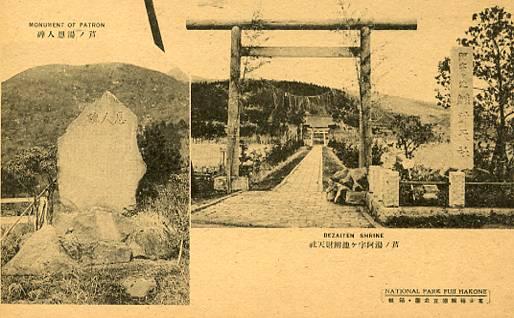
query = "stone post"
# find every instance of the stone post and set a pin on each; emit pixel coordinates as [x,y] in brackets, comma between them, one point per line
[223,159]
[379,184]
[373,178]
[461,100]
[457,189]
[391,188]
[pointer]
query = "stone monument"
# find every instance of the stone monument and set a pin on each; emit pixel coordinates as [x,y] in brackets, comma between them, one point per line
[98,158]
[99,168]
[461,121]
[461,100]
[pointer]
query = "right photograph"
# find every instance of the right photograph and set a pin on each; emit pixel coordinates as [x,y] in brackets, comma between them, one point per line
[358,120]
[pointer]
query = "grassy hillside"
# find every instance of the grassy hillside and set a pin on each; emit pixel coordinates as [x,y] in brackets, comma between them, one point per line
[38,104]
[428,112]
[264,111]
[209,104]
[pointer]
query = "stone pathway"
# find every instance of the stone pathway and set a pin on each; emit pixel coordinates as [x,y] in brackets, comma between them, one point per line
[297,202]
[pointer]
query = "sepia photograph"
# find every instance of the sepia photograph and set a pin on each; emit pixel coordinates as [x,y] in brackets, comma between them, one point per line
[95,171]
[248,158]
[360,120]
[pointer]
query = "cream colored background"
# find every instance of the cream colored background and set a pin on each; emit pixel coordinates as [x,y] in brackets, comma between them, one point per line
[272,272]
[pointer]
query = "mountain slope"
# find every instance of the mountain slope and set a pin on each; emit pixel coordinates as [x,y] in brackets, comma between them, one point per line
[178,74]
[209,103]
[428,112]
[38,104]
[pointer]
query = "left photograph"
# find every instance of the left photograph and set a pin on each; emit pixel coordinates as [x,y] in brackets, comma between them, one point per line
[95,185]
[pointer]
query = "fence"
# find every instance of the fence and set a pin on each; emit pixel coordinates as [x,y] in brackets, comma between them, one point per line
[455,192]
[490,194]
[38,207]
[424,193]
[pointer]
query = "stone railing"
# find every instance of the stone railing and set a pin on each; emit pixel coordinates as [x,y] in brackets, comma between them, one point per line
[384,184]
[383,202]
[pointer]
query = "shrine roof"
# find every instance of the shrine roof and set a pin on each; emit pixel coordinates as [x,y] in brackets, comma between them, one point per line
[319,121]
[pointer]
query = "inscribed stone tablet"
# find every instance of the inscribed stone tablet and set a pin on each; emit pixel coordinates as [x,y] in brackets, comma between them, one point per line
[461,99]
[98,158]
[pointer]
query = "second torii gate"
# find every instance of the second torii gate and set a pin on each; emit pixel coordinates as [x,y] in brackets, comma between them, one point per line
[363,52]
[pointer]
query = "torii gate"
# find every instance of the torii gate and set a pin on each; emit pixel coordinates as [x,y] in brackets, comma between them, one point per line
[237,51]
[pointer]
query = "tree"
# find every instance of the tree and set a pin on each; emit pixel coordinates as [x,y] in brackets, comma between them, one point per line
[411,133]
[345,108]
[32,169]
[491,37]
[159,144]
[209,109]
[254,38]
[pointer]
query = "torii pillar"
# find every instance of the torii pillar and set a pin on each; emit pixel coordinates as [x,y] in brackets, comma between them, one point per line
[234,108]
[363,52]
[366,134]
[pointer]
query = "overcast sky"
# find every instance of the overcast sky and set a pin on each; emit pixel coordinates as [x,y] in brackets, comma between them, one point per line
[404,63]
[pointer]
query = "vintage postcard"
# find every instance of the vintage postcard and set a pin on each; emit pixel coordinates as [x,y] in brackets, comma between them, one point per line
[95,158]
[339,117]
[332,158]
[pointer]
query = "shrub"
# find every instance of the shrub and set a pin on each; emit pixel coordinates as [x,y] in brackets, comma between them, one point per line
[250,162]
[30,170]
[194,183]
[281,151]
[450,221]
[501,196]
[411,133]
[410,194]
[377,151]
[348,153]
[159,144]
[172,203]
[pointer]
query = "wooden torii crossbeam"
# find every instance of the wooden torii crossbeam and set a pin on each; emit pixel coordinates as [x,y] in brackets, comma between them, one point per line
[363,52]
[326,24]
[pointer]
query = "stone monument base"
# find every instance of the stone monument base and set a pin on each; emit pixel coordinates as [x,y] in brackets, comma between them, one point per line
[238,184]
[94,237]
[41,253]
[220,184]
[101,236]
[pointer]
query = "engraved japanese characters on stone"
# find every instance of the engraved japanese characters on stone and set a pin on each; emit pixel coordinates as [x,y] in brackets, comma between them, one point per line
[98,157]
[461,123]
